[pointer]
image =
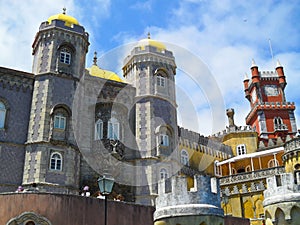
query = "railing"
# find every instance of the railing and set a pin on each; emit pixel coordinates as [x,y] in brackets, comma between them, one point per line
[250,176]
[280,127]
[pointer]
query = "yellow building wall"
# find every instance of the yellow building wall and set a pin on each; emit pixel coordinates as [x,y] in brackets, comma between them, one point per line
[250,139]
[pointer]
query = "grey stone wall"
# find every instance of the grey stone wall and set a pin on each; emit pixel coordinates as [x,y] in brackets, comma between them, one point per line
[16,93]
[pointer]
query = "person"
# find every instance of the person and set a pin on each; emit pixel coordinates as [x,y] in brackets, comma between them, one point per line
[119,197]
[86,191]
[20,189]
[33,188]
[99,195]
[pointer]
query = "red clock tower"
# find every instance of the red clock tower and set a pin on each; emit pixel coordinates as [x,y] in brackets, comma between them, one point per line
[271,115]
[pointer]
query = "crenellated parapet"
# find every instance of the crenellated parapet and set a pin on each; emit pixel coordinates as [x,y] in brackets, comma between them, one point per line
[201,200]
[283,193]
[197,142]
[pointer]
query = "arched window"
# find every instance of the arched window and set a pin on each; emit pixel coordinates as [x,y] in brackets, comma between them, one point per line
[273,163]
[30,223]
[233,171]
[278,121]
[2,114]
[65,56]
[278,124]
[163,174]
[99,129]
[56,161]
[160,81]
[248,168]
[241,149]
[113,129]
[184,157]
[60,121]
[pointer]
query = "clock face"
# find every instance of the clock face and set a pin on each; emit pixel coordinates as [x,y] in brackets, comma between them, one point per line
[271,90]
[253,95]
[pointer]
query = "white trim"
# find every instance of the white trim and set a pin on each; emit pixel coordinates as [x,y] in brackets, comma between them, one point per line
[253,155]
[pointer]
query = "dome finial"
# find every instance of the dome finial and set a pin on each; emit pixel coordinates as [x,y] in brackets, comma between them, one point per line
[64,10]
[148,35]
[95,58]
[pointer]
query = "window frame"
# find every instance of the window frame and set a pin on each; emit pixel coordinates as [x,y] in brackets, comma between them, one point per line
[113,125]
[274,162]
[3,113]
[65,56]
[59,116]
[56,161]
[184,157]
[164,140]
[99,133]
[160,81]
[241,149]
[163,174]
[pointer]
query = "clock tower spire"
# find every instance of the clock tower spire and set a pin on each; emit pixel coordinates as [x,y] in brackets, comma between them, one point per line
[271,115]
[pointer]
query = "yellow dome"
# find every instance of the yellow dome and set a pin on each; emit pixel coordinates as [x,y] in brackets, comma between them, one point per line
[98,72]
[150,42]
[69,20]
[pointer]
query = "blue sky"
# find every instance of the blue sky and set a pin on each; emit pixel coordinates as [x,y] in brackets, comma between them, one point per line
[221,35]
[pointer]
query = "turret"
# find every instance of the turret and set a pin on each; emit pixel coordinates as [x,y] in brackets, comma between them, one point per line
[246,87]
[279,70]
[255,73]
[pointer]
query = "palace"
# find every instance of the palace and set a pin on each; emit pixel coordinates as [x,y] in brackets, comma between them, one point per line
[64,125]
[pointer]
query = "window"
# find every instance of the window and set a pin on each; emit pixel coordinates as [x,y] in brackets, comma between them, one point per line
[218,170]
[160,81]
[2,114]
[184,159]
[241,149]
[163,174]
[278,124]
[56,161]
[60,121]
[30,223]
[99,130]
[113,129]
[248,168]
[272,163]
[164,140]
[65,56]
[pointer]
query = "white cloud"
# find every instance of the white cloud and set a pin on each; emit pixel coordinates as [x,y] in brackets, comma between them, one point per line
[19,22]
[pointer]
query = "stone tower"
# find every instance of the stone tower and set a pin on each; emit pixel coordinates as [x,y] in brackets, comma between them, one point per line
[282,197]
[151,68]
[271,115]
[199,205]
[52,158]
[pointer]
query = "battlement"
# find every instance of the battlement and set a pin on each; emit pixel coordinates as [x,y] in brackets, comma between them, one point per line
[202,199]
[197,142]
[282,188]
[270,105]
[268,74]
[292,145]
[234,129]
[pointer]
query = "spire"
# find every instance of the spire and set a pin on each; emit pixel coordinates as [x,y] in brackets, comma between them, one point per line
[95,58]
[253,64]
[148,35]
[64,10]
[246,77]
[278,64]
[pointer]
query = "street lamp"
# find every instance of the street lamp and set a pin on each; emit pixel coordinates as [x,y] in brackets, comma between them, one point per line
[105,183]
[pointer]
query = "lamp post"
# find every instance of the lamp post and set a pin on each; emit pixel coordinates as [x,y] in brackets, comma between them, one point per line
[105,183]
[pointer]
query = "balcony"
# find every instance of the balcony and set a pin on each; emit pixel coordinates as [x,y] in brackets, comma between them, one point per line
[280,127]
[251,176]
